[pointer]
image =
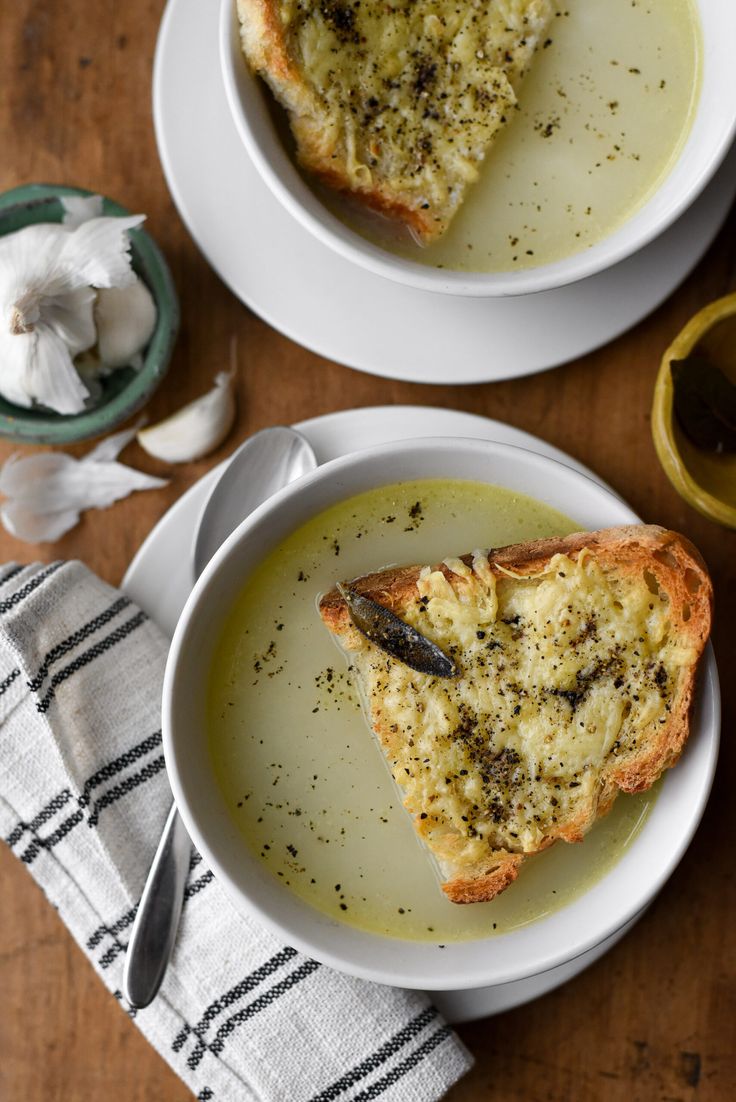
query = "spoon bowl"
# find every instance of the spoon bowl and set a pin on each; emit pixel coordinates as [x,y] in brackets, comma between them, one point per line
[266,461]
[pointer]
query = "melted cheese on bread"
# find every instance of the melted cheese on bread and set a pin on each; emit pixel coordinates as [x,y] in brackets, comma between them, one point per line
[573,677]
[396,103]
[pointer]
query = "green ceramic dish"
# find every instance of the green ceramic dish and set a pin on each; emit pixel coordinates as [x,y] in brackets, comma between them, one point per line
[125,390]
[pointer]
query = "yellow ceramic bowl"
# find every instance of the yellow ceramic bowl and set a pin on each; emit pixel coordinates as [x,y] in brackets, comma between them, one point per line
[706,480]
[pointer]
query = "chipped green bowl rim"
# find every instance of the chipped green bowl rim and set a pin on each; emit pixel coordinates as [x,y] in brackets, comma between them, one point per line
[125,390]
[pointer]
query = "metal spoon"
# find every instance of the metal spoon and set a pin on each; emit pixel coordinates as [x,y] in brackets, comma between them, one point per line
[262,465]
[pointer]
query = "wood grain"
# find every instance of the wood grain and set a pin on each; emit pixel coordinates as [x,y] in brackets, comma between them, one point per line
[654,1019]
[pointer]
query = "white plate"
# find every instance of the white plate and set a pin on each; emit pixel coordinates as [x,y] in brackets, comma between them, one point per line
[159,581]
[348,314]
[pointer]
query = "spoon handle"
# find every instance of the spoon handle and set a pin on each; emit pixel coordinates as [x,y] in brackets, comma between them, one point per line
[156,921]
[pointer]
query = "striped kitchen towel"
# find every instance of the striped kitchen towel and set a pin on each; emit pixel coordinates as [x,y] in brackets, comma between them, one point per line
[83,799]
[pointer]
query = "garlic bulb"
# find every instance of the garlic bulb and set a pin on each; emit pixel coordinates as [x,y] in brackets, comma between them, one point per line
[47,492]
[197,428]
[47,276]
[125,318]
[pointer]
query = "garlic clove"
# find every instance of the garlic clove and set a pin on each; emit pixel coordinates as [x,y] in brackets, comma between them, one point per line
[196,429]
[48,491]
[125,318]
[80,208]
[37,367]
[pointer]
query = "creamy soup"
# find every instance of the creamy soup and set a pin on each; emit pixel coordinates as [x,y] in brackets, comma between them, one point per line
[602,117]
[299,769]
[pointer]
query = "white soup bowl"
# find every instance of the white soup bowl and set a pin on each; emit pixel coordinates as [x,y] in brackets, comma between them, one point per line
[561,936]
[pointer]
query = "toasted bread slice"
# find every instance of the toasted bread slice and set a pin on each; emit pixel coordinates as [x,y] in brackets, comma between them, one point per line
[578,658]
[396,104]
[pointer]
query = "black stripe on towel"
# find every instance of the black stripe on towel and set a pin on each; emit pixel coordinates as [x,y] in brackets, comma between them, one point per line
[12,573]
[28,588]
[411,1061]
[12,676]
[113,929]
[32,851]
[117,764]
[112,953]
[124,787]
[88,656]
[43,816]
[197,885]
[373,1062]
[104,801]
[241,988]
[75,639]
[247,1012]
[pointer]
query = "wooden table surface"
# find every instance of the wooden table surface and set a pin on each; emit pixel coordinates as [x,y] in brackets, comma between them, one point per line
[653,1020]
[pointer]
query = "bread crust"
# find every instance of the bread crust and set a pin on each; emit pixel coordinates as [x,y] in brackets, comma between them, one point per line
[668,561]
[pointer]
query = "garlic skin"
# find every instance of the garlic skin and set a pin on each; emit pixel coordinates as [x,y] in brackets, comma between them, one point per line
[47,492]
[125,318]
[196,429]
[80,208]
[47,272]
[98,251]
[72,318]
